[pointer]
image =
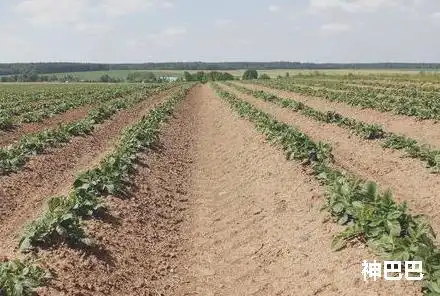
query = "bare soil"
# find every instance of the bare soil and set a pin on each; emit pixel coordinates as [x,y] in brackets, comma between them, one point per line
[216,211]
[13,135]
[424,131]
[22,194]
[408,178]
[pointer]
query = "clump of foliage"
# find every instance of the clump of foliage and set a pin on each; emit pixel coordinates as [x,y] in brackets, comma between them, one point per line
[208,76]
[20,278]
[250,74]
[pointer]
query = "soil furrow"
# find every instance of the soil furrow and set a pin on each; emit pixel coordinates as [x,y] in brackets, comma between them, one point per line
[9,137]
[408,179]
[426,131]
[255,224]
[23,194]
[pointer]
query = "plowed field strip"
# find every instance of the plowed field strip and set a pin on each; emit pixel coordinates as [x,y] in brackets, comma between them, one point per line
[22,194]
[9,137]
[426,131]
[408,178]
[255,224]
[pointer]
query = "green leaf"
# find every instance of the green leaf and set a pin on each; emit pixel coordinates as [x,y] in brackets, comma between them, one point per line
[394,227]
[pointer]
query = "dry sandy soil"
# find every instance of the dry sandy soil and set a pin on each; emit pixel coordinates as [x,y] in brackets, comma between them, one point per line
[216,211]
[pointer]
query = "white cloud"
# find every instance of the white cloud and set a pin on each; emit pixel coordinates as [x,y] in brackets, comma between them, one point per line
[335,28]
[274,8]
[92,28]
[47,12]
[165,38]
[351,5]
[174,31]
[44,12]
[435,15]
[118,7]
[223,22]
[168,4]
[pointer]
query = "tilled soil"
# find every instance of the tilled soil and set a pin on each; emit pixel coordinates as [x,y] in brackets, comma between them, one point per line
[408,178]
[22,194]
[9,137]
[424,131]
[255,225]
[140,239]
[216,211]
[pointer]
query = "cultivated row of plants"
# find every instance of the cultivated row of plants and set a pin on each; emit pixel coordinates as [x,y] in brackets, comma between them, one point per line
[391,89]
[423,107]
[13,157]
[368,131]
[35,107]
[370,216]
[63,221]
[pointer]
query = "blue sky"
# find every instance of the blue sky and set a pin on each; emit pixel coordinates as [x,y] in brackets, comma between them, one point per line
[177,30]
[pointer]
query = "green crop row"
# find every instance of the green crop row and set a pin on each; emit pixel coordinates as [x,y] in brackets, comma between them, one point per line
[63,220]
[369,215]
[368,131]
[12,158]
[420,107]
[60,101]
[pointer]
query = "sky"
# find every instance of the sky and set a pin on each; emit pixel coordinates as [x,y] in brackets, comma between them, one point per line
[116,31]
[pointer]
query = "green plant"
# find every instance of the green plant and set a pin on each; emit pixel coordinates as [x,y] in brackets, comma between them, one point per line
[20,278]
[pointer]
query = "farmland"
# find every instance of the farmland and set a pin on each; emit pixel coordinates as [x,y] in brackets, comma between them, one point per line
[263,187]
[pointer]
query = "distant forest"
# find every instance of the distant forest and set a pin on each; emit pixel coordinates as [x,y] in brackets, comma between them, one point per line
[49,68]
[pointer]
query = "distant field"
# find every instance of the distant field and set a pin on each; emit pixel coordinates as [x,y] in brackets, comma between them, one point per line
[95,75]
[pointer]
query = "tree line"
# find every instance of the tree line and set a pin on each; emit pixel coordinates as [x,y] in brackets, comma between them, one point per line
[50,68]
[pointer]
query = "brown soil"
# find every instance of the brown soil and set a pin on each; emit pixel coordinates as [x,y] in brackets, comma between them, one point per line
[23,194]
[426,131]
[9,137]
[408,178]
[217,211]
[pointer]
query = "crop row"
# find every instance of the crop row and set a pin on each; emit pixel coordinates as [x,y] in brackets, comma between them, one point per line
[13,157]
[368,131]
[395,93]
[59,101]
[420,107]
[369,215]
[63,220]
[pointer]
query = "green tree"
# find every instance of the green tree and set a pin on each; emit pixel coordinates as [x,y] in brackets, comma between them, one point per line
[105,78]
[187,76]
[264,76]
[250,74]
